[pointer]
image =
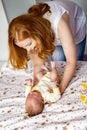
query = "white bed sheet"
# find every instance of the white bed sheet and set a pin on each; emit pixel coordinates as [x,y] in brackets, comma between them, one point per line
[69,113]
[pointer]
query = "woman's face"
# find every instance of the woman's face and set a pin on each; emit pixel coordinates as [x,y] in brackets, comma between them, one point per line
[29,44]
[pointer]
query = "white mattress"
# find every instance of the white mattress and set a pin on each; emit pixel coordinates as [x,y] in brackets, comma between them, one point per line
[69,113]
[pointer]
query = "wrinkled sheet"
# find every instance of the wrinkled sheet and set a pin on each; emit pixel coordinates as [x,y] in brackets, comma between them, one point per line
[69,113]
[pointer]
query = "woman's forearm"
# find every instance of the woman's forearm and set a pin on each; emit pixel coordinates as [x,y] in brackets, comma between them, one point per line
[67,76]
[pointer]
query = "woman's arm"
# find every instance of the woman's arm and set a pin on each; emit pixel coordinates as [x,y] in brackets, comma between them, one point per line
[69,48]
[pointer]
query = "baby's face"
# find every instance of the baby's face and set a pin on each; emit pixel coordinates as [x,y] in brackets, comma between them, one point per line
[35,96]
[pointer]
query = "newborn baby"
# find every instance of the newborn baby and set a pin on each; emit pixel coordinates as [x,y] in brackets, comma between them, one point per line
[45,91]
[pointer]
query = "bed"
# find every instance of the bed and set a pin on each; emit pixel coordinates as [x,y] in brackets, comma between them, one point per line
[69,113]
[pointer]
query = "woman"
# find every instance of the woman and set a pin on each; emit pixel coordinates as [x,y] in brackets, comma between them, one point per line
[33,34]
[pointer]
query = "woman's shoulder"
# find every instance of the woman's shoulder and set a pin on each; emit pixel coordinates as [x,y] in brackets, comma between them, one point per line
[57,9]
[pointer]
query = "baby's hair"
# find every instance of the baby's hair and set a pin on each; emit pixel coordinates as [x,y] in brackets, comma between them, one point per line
[39,9]
[33,107]
[32,112]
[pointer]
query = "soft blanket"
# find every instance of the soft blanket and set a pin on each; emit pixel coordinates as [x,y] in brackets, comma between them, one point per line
[69,113]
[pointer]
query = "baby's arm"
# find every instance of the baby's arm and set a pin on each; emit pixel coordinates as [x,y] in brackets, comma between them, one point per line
[53,96]
[55,78]
[39,73]
[28,87]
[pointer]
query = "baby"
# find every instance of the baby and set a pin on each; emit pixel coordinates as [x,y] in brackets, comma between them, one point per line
[45,91]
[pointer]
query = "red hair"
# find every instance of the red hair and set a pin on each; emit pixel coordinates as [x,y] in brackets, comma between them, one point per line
[27,26]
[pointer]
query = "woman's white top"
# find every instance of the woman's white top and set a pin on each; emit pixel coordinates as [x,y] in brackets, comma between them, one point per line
[76,15]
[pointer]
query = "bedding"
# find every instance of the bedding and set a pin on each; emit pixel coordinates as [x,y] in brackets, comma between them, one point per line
[69,113]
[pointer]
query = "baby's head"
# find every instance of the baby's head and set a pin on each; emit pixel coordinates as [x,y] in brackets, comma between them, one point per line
[34,103]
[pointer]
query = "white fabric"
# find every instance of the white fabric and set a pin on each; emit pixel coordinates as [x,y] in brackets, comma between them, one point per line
[77,18]
[69,113]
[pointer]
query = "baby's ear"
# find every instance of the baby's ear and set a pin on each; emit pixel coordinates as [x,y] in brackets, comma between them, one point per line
[43,101]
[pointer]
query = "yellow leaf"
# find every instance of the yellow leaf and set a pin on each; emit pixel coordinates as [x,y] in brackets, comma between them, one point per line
[85,102]
[84,85]
[82,97]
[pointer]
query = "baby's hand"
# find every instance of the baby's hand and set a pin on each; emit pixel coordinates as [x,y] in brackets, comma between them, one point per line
[53,64]
[55,76]
[29,82]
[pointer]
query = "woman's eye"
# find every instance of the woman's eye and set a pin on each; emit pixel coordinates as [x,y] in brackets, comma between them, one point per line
[28,44]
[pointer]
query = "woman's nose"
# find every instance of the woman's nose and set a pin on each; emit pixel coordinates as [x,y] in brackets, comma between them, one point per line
[28,48]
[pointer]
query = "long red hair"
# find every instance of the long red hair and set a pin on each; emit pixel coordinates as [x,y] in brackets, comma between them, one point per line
[26,26]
